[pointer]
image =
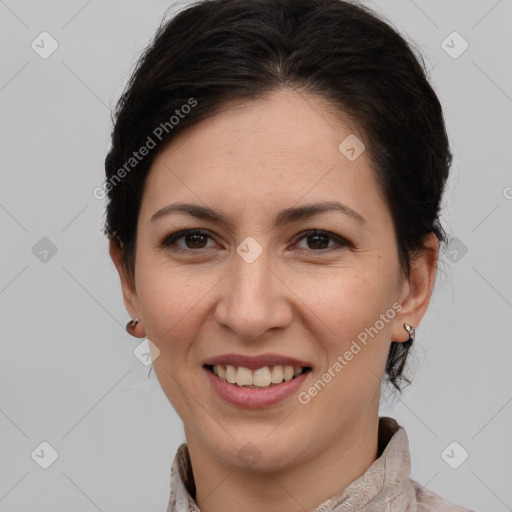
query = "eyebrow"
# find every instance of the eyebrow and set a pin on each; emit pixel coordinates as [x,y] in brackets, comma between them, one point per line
[285,216]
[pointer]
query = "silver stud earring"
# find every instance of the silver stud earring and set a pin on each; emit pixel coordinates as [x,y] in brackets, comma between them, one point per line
[411,330]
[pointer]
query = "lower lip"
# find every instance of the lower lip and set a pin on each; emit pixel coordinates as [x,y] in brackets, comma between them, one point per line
[252,398]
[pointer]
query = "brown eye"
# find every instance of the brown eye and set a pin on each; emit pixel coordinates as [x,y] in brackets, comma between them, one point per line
[317,240]
[192,240]
[195,240]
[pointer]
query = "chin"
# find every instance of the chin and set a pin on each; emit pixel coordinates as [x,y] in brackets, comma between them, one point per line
[259,451]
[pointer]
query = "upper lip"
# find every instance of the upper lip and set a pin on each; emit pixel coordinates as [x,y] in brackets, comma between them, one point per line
[255,362]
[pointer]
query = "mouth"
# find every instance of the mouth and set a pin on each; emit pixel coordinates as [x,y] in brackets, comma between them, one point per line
[265,377]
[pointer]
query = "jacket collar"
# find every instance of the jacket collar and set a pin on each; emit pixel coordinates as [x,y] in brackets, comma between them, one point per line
[385,481]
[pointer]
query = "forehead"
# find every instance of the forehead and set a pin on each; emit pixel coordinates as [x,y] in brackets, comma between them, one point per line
[277,150]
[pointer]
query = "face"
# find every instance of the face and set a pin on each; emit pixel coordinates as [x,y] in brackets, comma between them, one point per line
[263,275]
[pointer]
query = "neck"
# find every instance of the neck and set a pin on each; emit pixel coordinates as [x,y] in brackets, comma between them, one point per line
[227,488]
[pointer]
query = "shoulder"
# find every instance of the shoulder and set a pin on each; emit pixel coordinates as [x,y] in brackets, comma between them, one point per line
[429,501]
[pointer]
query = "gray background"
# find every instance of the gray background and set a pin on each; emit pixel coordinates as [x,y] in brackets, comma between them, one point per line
[68,373]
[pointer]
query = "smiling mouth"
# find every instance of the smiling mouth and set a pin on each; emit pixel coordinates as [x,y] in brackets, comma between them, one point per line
[261,378]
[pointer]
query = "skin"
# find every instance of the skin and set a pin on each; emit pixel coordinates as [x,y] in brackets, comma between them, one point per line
[250,161]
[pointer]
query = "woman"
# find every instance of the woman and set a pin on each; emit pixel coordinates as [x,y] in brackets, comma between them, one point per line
[274,185]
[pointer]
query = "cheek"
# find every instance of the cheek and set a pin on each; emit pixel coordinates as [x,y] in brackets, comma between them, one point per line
[348,302]
[168,298]
[355,340]
[171,305]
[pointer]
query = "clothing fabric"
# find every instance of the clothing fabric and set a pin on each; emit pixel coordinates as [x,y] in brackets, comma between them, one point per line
[385,487]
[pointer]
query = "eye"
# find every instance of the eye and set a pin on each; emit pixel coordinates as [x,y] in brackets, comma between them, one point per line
[194,239]
[318,240]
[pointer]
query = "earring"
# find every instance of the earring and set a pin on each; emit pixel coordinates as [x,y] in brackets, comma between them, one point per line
[130,326]
[411,330]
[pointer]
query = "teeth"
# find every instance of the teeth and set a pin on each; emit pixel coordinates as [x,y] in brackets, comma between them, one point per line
[221,372]
[244,377]
[262,377]
[277,374]
[231,372]
[288,372]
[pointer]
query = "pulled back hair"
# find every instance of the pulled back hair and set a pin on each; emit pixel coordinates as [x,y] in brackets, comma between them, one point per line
[215,52]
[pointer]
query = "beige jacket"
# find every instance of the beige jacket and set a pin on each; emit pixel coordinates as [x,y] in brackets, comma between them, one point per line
[385,487]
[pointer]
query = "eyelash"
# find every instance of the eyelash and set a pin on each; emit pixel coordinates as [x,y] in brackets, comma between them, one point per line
[169,241]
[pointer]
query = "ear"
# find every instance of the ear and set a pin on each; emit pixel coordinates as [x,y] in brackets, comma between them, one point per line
[416,291]
[127,284]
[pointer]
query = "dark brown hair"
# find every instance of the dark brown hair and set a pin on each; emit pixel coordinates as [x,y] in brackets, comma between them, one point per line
[217,51]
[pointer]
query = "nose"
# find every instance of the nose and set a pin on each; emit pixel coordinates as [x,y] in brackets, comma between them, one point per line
[254,299]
